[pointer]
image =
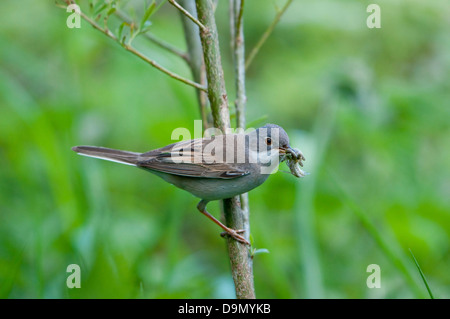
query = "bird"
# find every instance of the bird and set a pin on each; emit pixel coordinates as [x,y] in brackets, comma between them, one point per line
[211,168]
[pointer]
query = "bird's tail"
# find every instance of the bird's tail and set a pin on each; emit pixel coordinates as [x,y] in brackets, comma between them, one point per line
[109,154]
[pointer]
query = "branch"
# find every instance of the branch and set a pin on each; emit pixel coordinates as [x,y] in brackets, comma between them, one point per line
[129,48]
[196,63]
[187,14]
[162,69]
[217,94]
[238,46]
[239,14]
[237,33]
[240,258]
[266,34]
[167,46]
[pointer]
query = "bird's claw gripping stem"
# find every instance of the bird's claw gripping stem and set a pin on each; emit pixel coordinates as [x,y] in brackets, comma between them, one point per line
[235,234]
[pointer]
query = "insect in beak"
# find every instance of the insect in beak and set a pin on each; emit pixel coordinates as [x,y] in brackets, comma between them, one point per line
[295,153]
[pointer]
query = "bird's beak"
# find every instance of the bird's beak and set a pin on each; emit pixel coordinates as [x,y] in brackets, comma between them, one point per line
[286,150]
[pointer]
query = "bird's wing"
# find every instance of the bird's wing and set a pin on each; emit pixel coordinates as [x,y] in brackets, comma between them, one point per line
[190,158]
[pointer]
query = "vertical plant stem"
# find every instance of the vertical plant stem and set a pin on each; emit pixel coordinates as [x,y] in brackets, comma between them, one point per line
[240,258]
[236,20]
[196,61]
[217,94]
[238,47]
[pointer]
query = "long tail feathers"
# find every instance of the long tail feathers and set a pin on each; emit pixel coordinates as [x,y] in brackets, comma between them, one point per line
[123,157]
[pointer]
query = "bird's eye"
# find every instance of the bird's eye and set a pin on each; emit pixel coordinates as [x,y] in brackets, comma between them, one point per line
[268,141]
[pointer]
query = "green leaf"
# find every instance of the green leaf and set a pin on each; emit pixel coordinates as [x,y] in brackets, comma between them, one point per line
[147,27]
[255,252]
[251,240]
[91,8]
[119,32]
[100,9]
[111,11]
[148,13]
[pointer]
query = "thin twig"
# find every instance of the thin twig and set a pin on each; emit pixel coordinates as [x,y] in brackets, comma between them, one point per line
[239,15]
[162,69]
[238,46]
[129,48]
[236,18]
[187,14]
[266,34]
[167,46]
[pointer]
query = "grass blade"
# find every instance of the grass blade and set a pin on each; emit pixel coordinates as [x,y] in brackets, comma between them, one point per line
[390,247]
[422,275]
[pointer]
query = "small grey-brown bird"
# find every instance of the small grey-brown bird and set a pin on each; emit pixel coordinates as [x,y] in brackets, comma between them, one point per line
[212,168]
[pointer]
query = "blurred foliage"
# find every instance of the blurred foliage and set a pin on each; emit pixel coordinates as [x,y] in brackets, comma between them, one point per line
[369,108]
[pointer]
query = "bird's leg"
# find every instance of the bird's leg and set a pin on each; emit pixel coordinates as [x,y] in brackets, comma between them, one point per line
[233,233]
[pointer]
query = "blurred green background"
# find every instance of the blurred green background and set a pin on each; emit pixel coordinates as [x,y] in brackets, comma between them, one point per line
[369,108]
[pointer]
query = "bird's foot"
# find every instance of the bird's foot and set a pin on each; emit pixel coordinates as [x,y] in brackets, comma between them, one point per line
[235,234]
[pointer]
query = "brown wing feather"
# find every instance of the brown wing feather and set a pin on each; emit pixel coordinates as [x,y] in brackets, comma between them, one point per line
[221,170]
[178,159]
